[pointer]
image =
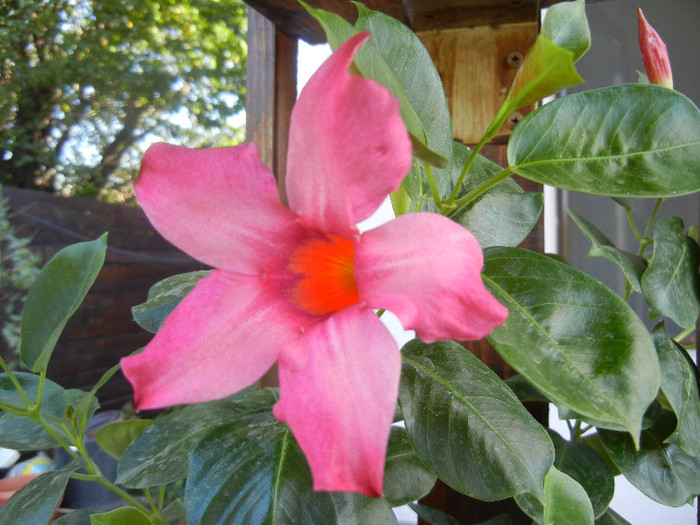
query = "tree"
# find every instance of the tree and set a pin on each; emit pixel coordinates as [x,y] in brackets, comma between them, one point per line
[84,83]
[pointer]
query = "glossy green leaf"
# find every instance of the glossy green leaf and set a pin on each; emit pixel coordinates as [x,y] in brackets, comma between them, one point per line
[121,516]
[632,265]
[587,468]
[565,501]
[502,216]
[611,518]
[433,516]
[252,471]
[660,470]
[572,338]
[22,433]
[566,25]
[75,517]
[115,437]
[467,426]
[395,57]
[37,500]
[162,299]
[405,478]
[54,297]
[680,388]
[547,69]
[671,283]
[159,454]
[623,141]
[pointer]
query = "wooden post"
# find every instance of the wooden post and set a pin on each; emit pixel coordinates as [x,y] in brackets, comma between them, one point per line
[271,91]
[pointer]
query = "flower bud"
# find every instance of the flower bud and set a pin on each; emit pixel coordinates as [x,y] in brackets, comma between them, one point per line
[654,54]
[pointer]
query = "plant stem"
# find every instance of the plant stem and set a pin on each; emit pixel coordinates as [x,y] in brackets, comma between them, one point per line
[433,186]
[484,186]
[15,382]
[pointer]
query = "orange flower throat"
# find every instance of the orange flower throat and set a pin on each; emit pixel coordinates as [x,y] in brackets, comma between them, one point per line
[326,266]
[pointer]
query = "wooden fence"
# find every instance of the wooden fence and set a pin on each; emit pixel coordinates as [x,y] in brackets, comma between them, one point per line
[102,330]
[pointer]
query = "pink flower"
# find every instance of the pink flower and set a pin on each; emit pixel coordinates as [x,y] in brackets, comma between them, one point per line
[298,285]
[654,55]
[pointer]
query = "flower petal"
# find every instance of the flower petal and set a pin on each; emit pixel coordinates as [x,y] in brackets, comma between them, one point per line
[220,339]
[426,269]
[348,147]
[340,400]
[220,205]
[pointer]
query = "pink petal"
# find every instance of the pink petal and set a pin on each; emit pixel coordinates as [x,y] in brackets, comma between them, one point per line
[220,205]
[348,147]
[339,400]
[426,269]
[220,339]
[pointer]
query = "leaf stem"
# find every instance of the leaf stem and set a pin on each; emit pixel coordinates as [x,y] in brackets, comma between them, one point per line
[433,186]
[483,187]
[15,382]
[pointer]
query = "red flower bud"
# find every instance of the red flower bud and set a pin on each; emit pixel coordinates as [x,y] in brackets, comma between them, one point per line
[654,54]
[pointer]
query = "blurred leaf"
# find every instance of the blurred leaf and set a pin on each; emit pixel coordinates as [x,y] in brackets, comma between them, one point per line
[37,500]
[631,265]
[467,426]
[662,471]
[251,470]
[21,432]
[671,283]
[433,516]
[160,453]
[572,338]
[586,467]
[121,516]
[566,25]
[611,518]
[565,500]
[76,517]
[405,477]
[54,297]
[623,141]
[162,299]
[115,437]
[680,387]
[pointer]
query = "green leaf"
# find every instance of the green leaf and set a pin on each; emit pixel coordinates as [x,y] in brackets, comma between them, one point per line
[433,516]
[405,477]
[611,518]
[115,437]
[163,297]
[121,516]
[566,25]
[467,426]
[22,433]
[54,297]
[572,338]
[251,471]
[395,57]
[623,141]
[159,454]
[37,500]
[547,69]
[660,470]
[587,468]
[632,265]
[679,386]
[565,500]
[502,216]
[671,283]
[75,517]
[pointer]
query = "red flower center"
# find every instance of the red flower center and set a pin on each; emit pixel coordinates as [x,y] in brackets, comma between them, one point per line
[326,266]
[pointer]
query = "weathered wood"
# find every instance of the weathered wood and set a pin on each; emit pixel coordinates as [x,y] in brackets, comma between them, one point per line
[102,330]
[477,66]
[421,15]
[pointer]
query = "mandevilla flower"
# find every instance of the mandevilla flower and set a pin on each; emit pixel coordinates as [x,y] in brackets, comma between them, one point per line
[654,54]
[298,285]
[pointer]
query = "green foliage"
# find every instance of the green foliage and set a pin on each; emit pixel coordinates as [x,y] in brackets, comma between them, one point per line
[19,266]
[83,82]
